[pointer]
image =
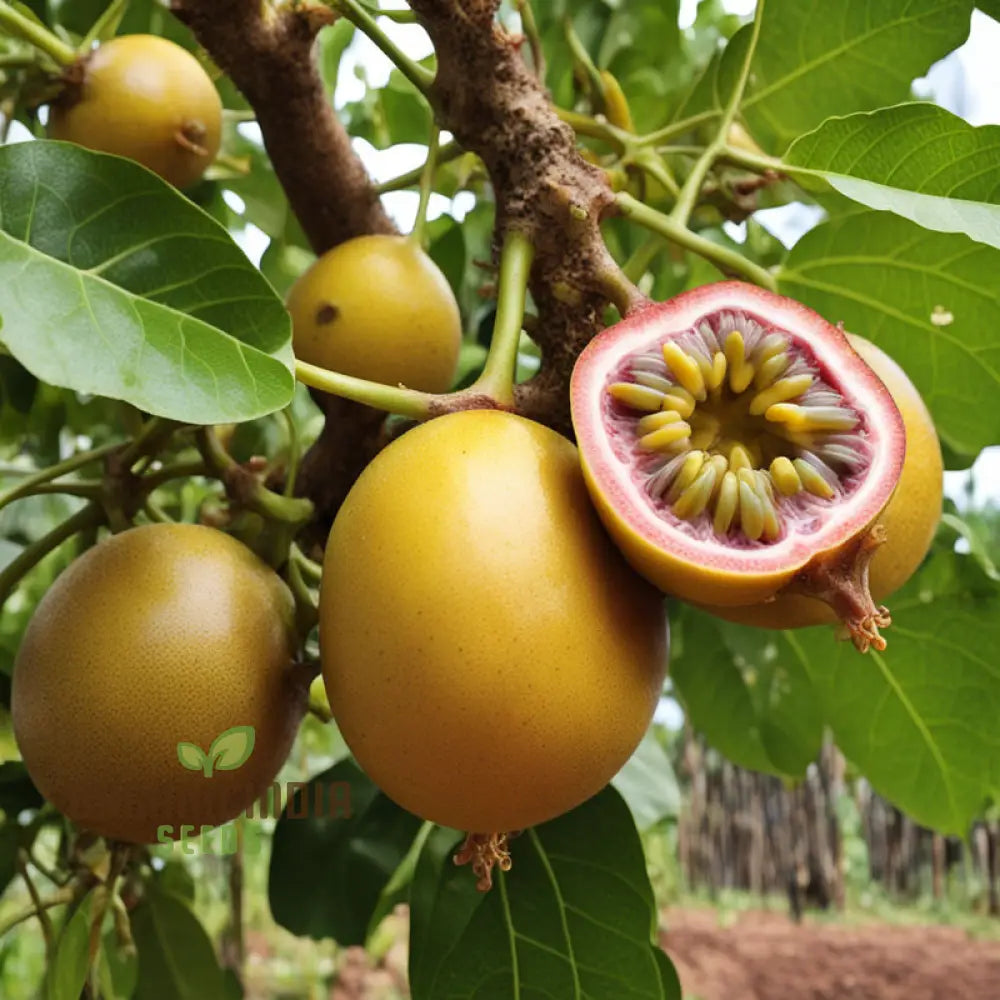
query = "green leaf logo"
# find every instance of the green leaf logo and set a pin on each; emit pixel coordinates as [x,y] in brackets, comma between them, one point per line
[229,751]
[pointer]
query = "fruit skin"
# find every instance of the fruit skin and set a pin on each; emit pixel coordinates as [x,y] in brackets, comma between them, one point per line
[378,308]
[146,98]
[161,634]
[693,572]
[910,518]
[489,657]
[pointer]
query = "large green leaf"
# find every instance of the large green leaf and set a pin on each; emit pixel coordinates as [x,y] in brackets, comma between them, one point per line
[916,160]
[760,713]
[931,300]
[573,919]
[66,976]
[176,957]
[648,784]
[328,871]
[817,59]
[112,283]
[920,719]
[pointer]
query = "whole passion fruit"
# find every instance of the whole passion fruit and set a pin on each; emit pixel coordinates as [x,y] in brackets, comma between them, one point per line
[378,308]
[735,445]
[146,98]
[490,658]
[910,518]
[155,687]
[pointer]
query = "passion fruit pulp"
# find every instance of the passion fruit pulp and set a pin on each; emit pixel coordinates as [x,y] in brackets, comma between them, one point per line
[910,518]
[735,445]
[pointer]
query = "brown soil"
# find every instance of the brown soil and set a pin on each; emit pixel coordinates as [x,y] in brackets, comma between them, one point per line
[764,956]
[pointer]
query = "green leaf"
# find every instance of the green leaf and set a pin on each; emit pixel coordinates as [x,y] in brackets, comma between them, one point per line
[931,300]
[328,871]
[815,59]
[759,711]
[389,115]
[176,957]
[192,756]
[116,285]
[574,918]
[920,719]
[118,969]
[69,969]
[991,7]
[232,749]
[916,160]
[648,784]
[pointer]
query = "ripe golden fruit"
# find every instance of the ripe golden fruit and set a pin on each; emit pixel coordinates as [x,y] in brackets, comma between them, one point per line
[489,657]
[163,634]
[146,98]
[378,308]
[910,518]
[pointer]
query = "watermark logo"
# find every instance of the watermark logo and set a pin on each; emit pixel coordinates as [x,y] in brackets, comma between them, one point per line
[229,751]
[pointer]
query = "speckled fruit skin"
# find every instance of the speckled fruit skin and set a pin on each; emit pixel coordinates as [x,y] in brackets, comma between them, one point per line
[489,657]
[910,518]
[161,634]
[377,307]
[140,92]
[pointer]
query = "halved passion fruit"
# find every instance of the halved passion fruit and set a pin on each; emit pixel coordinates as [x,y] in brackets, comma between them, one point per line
[735,446]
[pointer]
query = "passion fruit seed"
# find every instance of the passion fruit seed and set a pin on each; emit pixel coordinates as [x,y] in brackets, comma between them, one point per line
[740,427]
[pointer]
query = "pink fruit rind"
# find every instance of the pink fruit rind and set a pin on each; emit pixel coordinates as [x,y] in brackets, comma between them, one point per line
[609,471]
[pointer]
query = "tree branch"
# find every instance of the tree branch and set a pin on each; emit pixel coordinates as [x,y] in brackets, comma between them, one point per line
[487,96]
[267,52]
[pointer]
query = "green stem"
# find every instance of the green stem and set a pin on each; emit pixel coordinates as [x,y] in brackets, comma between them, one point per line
[759,164]
[155,512]
[592,128]
[392,399]
[27,486]
[644,255]
[727,260]
[30,556]
[311,570]
[87,489]
[665,134]
[105,26]
[306,612]
[398,16]
[179,470]
[651,164]
[688,197]
[294,451]
[421,77]
[582,58]
[155,432]
[530,27]
[419,233]
[319,707]
[61,898]
[497,378]
[31,31]
[445,154]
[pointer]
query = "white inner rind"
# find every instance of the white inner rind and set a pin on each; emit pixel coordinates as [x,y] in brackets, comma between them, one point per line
[809,524]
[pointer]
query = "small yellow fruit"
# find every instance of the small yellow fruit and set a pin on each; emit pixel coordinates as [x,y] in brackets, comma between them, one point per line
[378,308]
[490,658]
[161,635]
[146,98]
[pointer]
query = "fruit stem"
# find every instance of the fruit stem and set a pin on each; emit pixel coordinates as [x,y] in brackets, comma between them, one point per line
[530,28]
[497,378]
[676,128]
[393,399]
[641,258]
[294,451]
[594,128]
[688,197]
[652,164]
[105,26]
[37,34]
[306,612]
[727,260]
[445,154]
[419,232]
[28,486]
[421,77]
[28,557]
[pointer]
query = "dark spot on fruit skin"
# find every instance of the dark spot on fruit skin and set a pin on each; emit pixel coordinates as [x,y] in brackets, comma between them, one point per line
[327,313]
